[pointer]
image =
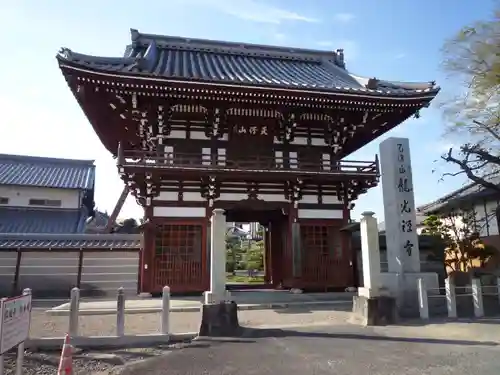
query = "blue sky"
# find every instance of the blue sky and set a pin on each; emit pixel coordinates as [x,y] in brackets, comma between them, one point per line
[388,39]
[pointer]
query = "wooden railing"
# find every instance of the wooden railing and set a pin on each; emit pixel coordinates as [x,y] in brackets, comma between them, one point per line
[251,163]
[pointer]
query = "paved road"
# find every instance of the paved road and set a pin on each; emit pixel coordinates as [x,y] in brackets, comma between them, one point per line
[339,350]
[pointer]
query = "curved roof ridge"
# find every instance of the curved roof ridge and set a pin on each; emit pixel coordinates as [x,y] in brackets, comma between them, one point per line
[241,47]
[365,81]
[68,54]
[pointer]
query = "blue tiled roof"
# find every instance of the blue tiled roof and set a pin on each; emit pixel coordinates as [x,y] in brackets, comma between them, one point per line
[23,220]
[177,58]
[70,241]
[46,172]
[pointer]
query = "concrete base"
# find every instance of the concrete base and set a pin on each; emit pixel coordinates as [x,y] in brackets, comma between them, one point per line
[404,288]
[212,297]
[220,320]
[374,311]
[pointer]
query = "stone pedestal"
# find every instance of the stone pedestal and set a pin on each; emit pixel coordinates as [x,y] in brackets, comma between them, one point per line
[220,320]
[219,314]
[374,311]
[404,288]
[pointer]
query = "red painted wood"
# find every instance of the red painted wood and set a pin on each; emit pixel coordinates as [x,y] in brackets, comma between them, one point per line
[179,257]
[325,258]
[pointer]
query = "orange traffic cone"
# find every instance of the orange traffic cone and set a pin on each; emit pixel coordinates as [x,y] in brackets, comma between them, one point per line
[66,362]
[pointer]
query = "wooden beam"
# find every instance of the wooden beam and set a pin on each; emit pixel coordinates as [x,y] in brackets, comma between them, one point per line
[116,210]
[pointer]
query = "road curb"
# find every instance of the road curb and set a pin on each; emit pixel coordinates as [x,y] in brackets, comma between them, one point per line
[244,307]
[108,342]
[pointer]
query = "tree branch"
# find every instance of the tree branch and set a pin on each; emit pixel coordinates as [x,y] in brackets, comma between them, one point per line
[464,166]
[488,129]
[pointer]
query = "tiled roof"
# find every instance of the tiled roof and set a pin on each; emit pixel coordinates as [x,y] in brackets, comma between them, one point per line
[46,172]
[176,58]
[70,241]
[469,193]
[23,220]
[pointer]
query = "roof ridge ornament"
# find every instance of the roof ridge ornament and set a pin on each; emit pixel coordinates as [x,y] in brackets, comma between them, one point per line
[66,53]
[339,53]
[372,83]
[134,35]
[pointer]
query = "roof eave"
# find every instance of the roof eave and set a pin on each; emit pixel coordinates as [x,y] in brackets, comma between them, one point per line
[428,94]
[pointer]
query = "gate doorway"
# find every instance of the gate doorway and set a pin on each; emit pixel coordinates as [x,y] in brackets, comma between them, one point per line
[271,241]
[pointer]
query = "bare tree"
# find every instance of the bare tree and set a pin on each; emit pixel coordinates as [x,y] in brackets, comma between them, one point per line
[472,60]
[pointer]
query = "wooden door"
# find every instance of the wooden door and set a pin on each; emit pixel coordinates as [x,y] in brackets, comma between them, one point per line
[325,260]
[179,260]
[277,244]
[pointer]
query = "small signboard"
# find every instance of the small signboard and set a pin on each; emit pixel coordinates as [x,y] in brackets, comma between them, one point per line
[15,321]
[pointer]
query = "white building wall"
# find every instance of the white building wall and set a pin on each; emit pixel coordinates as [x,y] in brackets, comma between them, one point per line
[486,219]
[19,196]
[482,217]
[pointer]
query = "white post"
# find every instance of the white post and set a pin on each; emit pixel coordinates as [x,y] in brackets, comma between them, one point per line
[165,311]
[120,312]
[477,297]
[217,292]
[74,307]
[20,348]
[451,298]
[370,253]
[423,301]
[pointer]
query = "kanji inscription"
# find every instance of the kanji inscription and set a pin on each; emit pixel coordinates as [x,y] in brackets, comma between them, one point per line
[251,129]
[399,206]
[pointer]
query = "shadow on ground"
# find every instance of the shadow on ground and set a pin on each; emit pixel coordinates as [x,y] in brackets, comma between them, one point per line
[492,320]
[256,333]
[302,309]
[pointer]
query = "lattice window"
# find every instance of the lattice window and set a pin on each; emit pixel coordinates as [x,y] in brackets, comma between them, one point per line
[180,241]
[179,259]
[314,238]
[322,240]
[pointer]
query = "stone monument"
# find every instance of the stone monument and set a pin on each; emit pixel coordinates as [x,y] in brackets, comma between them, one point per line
[403,255]
[219,313]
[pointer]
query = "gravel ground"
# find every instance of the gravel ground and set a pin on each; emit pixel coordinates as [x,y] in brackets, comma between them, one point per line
[97,362]
[84,362]
[44,325]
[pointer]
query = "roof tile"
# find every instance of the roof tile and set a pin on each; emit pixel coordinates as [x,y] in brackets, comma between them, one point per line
[24,220]
[71,241]
[46,172]
[244,64]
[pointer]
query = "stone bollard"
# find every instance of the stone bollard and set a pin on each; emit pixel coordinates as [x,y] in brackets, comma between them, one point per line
[423,301]
[120,312]
[451,298]
[165,311]
[74,311]
[477,298]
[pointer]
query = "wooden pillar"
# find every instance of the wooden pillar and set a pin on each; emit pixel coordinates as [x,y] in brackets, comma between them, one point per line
[293,269]
[148,253]
[267,256]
